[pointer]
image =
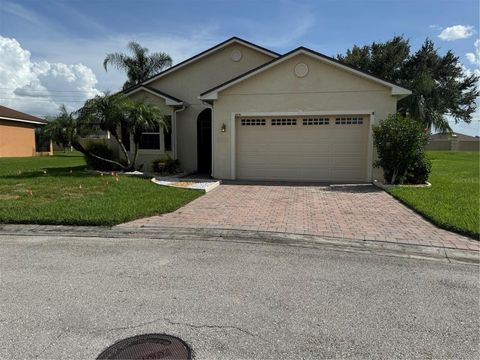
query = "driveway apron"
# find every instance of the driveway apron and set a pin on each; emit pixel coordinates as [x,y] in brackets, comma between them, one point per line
[353,212]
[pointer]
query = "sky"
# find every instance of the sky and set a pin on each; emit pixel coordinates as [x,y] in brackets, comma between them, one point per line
[51,51]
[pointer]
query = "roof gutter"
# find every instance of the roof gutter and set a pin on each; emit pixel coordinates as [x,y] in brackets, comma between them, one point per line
[25,121]
[174,126]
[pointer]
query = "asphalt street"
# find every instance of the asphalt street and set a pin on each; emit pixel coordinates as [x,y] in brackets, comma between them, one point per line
[71,297]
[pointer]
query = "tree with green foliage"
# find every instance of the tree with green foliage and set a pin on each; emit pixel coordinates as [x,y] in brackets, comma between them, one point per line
[141,118]
[67,130]
[441,86]
[112,112]
[140,65]
[108,113]
[400,142]
[61,129]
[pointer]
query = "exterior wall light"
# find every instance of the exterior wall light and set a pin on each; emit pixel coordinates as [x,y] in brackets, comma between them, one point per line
[223,128]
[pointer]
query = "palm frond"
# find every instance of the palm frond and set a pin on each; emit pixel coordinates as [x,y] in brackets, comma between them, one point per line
[139,65]
[160,60]
[136,48]
[118,60]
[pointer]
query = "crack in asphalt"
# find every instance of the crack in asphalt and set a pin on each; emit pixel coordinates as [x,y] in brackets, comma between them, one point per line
[446,255]
[222,327]
[171,322]
[127,327]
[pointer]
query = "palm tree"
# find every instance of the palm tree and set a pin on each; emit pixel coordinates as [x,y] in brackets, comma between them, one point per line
[61,129]
[109,113]
[141,118]
[68,128]
[140,65]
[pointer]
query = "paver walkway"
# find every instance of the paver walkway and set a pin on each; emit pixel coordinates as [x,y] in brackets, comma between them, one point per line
[353,212]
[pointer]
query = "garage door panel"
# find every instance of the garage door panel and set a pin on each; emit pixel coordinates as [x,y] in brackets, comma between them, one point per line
[311,148]
[347,175]
[333,152]
[350,148]
[346,161]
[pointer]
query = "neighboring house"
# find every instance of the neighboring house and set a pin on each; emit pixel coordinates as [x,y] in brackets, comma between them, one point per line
[240,111]
[454,141]
[19,134]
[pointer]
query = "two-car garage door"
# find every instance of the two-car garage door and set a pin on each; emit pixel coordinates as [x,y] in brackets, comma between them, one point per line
[307,148]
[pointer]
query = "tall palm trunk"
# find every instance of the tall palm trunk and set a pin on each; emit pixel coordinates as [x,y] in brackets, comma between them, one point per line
[135,156]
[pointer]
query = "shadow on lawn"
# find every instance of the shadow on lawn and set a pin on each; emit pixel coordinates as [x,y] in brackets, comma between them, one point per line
[332,187]
[70,171]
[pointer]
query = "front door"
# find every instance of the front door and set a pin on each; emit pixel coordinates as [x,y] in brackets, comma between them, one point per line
[204,142]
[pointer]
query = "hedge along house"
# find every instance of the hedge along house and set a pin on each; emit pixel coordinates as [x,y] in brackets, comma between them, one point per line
[240,111]
[19,134]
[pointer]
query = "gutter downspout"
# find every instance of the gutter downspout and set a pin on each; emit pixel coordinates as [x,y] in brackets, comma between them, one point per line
[174,125]
[210,106]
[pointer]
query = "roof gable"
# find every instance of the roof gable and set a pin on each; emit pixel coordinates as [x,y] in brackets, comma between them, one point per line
[169,100]
[207,52]
[212,94]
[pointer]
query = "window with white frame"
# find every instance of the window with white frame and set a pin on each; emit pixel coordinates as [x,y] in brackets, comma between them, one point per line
[354,120]
[150,139]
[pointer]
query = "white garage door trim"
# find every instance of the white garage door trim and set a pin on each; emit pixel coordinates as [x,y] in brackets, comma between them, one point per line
[233,145]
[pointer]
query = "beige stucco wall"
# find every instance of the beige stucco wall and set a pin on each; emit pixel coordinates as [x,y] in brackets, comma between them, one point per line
[326,88]
[16,139]
[189,82]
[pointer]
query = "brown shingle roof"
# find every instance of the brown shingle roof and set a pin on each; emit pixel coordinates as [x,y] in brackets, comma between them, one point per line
[10,114]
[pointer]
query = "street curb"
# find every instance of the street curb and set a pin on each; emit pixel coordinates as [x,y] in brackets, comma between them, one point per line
[247,236]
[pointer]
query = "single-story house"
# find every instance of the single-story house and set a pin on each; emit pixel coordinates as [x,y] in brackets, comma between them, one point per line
[19,133]
[454,141]
[241,111]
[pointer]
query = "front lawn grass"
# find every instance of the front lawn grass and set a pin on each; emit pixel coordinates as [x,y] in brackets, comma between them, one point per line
[453,200]
[58,190]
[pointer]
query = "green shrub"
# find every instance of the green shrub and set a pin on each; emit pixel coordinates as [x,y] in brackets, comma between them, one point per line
[166,165]
[400,143]
[419,171]
[100,149]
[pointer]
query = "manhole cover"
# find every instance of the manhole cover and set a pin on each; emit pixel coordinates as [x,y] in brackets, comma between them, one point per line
[149,346]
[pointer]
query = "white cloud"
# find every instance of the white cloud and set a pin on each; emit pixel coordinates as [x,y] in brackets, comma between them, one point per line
[474,57]
[39,88]
[91,52]
[469,72]
[456,32]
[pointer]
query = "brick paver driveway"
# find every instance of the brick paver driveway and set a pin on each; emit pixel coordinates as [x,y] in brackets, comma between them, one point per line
[356,212]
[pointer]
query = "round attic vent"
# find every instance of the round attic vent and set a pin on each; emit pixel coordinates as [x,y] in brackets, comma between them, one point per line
[236,55]
[301,70]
